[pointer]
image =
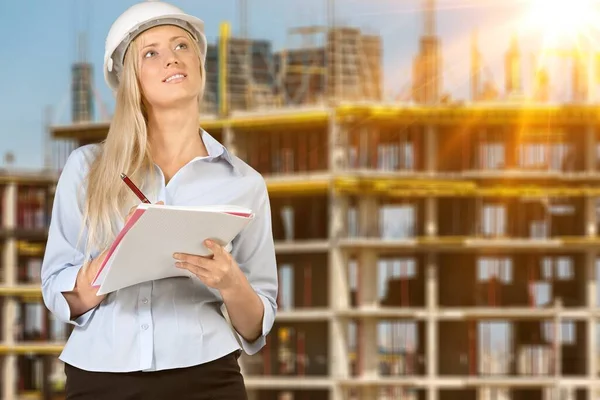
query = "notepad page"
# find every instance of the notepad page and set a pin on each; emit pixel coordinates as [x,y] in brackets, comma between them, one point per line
[229,209]
[146,252]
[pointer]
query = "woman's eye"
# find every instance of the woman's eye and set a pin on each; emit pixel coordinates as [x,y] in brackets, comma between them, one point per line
[181,46]
[149,53]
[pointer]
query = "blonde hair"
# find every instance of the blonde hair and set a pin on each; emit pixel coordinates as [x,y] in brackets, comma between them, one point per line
[126,149]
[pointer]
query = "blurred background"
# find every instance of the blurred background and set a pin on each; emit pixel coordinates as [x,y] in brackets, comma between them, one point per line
[433,170]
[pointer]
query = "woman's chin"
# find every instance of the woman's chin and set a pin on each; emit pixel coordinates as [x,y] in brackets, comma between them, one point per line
[173,98]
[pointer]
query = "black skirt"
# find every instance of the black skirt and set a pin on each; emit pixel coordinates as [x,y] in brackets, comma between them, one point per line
[215,380]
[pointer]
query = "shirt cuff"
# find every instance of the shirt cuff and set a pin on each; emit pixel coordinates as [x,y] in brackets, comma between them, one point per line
[64,281]
[254,347]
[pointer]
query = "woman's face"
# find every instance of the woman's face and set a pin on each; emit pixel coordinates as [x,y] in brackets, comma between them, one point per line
[169,69]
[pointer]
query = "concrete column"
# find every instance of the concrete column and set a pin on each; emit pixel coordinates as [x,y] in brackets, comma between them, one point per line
[9,217]
[430,149]
[339,291]
[368,296]
[370,352]
[339,282]
[338,348]
[367,259]
[431,326]
[9,378]
[368,393]
[431,216]
[566,393]
[590,216]
[338,145]
[493,393]
[431,229]
[590,149]
[558,307]
[9,262]
[592,350]
[336,393]
[368,217]
[367,288]
[590,265]
[593,356]
[367,278]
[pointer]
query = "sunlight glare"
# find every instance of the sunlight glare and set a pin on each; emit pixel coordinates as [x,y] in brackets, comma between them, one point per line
[558,20]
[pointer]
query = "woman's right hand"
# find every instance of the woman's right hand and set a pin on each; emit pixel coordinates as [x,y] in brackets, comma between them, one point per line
[132,210]
[85,297]
[87,274]
[91,270]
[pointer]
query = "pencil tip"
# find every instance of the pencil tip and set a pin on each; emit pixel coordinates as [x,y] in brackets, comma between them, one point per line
[122,175]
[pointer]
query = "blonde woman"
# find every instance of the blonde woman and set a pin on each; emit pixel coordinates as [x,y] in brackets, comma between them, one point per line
[167,338]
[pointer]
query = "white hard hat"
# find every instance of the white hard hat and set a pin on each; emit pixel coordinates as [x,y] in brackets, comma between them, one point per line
[137,19]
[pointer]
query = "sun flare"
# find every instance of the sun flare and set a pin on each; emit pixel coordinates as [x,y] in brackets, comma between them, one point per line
[562,20]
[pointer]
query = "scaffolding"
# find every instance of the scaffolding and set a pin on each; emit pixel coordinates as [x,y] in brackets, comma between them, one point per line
[353,62]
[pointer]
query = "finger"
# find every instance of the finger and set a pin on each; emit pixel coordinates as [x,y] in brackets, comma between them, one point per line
[200,272]
[160,202]
[130,213]
[193,259]
[221,255]
[215,247]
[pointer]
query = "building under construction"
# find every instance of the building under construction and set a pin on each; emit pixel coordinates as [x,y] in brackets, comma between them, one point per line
[426,251]
[254,77]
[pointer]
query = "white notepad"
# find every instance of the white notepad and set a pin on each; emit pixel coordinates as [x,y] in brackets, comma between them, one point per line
[143,250]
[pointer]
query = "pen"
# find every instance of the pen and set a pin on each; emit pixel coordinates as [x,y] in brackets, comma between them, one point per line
[134,188]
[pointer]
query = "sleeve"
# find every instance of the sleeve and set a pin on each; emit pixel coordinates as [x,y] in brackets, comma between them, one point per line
[254,251]
[64,257]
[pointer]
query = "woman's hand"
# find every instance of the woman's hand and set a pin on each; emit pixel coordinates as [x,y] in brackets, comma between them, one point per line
[84,296]
[244,306]
[219,272]
[132,210]
[92,268]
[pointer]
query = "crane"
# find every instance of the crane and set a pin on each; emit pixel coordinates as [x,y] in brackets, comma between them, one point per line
[243,16]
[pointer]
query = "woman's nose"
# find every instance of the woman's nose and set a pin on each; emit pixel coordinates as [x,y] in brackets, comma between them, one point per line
[172,59]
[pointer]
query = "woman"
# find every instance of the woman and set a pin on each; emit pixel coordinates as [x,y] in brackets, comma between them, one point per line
[167,338]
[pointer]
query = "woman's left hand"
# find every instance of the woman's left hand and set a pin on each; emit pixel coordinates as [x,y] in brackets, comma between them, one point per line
[219,271]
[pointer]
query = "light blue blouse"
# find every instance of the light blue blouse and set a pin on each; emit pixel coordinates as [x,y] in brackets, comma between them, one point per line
[169,323]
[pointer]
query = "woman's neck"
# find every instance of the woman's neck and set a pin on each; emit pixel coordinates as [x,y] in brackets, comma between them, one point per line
[174,138]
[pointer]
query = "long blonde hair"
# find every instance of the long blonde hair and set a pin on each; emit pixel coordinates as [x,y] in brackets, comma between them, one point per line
[126,149]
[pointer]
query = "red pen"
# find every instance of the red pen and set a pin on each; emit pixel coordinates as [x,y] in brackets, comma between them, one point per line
[134,188]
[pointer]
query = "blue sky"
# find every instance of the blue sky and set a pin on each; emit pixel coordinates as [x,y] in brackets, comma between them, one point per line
[39,45]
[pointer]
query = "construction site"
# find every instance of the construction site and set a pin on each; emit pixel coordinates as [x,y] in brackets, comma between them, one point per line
[427,249]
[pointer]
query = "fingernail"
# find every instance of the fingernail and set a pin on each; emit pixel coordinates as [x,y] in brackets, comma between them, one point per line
[176,255]
[178,264]
[208,242]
